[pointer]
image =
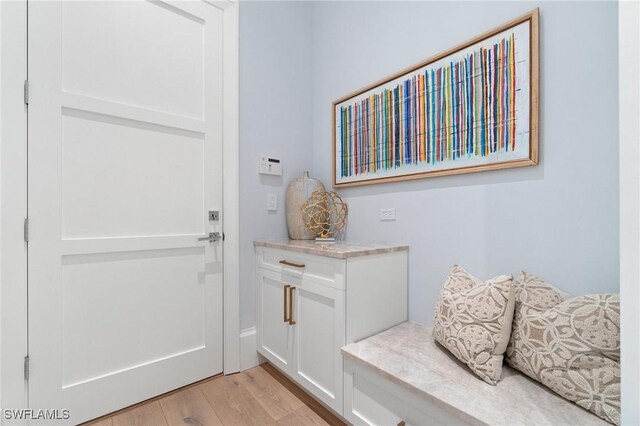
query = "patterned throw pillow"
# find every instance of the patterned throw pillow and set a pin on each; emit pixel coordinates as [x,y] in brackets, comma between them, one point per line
[473,320]
[571,345]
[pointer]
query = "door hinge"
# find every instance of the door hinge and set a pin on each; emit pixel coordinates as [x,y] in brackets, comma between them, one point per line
[26,230]
[26,92]
[26,367]
[223,236]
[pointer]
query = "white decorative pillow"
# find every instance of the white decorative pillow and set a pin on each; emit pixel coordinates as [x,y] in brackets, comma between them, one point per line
[571,345]
[473,320]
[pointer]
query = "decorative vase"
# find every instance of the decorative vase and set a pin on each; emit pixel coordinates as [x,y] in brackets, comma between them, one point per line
[298,191]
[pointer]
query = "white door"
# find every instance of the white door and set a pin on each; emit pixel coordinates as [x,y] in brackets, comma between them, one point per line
[125,144]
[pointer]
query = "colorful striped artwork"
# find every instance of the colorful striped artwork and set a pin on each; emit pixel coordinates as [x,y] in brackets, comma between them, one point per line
[465,110]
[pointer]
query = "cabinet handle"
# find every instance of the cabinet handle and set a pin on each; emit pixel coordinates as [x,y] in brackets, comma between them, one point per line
[284,304]
[291,320]
[401,423]
[295,265]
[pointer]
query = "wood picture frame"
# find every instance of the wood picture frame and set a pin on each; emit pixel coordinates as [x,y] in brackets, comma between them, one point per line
[471,108]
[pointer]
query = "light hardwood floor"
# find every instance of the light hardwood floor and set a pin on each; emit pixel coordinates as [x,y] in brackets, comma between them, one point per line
[259,396]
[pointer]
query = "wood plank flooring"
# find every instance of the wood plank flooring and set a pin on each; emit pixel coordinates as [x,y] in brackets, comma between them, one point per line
[256,397]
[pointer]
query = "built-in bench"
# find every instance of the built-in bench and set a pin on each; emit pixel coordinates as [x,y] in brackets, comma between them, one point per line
[401,376]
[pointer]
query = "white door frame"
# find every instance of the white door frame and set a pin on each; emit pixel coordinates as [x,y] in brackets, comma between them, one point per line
[13,205]
[629,136]
[231,186]
[13,199]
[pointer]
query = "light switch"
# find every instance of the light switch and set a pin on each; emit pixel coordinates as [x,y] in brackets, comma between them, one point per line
[272,202]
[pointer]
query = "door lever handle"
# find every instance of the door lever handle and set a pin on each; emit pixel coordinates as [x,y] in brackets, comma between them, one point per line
[212,237]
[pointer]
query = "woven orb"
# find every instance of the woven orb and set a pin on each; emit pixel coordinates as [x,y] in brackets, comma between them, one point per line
[324,213]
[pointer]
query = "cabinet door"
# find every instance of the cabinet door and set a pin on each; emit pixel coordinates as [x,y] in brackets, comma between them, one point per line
[275,334]
[371,400]
[319,334]
[429,414]
[368,400]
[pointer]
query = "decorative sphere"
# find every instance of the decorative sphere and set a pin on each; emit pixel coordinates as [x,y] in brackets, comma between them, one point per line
[324,213]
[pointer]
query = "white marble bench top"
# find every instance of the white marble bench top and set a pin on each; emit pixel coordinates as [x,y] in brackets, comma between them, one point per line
[408,356]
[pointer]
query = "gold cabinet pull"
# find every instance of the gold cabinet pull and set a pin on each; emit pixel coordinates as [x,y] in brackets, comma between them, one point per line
[284,304]
[295,265]
[291,320]
[401,423]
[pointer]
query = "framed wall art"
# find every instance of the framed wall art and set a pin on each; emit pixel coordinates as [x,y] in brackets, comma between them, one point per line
[469,109]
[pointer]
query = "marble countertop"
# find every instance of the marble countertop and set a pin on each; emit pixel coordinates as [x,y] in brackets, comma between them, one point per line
[338,250]
[408,356]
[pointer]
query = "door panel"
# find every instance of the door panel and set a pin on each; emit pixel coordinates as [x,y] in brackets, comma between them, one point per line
[125,144]
[108,45]
[319,316]
[114,293]
[154,172]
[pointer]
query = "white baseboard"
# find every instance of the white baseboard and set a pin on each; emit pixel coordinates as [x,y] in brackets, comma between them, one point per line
[249,356]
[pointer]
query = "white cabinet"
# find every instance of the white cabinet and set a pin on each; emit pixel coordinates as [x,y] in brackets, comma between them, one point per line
[309,305]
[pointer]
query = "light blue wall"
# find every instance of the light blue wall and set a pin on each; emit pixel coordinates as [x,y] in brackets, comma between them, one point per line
[275,119]
[558,219]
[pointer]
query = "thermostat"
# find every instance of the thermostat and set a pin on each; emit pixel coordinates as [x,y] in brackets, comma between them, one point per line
[270,166]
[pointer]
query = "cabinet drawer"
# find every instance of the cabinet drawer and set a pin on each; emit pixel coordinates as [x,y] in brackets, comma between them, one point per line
[369,404]
[327,270]
[370,399]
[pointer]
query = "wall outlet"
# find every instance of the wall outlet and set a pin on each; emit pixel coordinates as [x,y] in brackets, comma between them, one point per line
[387,214]
[272,202]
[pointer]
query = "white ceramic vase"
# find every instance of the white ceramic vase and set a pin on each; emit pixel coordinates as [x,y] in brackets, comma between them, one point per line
[298,191]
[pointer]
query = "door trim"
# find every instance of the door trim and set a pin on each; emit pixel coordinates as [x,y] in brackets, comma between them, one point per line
[231,187]
[629,107]
[13,199]
[13,205]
